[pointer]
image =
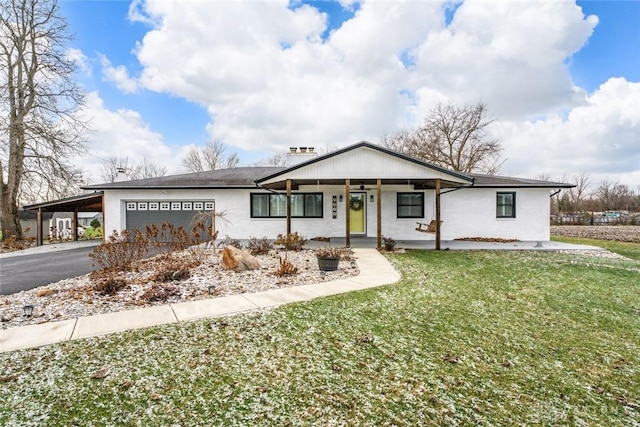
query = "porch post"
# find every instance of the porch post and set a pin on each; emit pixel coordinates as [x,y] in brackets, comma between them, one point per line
[438,184]
[347,212]
[379,212]
[74,224]
[104,221]
[288,207]
[39,230]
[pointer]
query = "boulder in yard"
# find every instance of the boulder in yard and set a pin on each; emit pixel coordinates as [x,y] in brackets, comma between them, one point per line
[238,260]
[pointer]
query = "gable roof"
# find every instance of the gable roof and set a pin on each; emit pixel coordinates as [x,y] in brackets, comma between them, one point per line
[457,176]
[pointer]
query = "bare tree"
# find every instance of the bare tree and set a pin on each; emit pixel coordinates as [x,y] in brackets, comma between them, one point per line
[110,167]
[452,137]
[613,196]
[38,101]
[211,156]
[277,159]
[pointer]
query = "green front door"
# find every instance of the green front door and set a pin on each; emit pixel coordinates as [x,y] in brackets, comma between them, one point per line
[357,215]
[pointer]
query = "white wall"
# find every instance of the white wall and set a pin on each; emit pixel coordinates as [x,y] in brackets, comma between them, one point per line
[465,212]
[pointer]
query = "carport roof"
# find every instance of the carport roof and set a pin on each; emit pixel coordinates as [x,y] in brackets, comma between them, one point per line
[83,203]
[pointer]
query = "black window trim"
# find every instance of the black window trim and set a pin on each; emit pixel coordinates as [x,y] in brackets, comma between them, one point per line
[513,205]
[304,205]
[398,205]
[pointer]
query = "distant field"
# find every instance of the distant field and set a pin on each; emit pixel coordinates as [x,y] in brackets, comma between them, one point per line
[623,240]
[620,233]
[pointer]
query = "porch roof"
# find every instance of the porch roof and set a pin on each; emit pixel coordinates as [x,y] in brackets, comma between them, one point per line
[363,164]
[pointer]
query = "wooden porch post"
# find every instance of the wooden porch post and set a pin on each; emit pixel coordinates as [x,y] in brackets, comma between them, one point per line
[438,185]
[379,212]
[104,221]
[347,212]
[39,230]
[288,207]
[74,224]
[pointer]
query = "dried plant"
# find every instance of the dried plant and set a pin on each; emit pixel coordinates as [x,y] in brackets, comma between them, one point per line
[109,284]
[229,241]
[389,244]
[286,268]
[121,251]
[259,246]
[292,241]
[329,252]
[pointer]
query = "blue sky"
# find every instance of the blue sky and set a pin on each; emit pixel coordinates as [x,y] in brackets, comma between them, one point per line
[265,75]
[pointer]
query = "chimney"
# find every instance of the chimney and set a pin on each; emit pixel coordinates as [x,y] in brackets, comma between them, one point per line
[121,175]
[295,156]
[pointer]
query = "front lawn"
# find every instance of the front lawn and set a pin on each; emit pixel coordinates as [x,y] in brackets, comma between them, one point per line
[466,338]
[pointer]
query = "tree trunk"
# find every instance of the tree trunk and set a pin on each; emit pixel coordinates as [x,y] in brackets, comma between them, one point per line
[9,216]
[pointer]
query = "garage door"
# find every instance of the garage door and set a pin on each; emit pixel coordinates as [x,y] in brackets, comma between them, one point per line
[141,213]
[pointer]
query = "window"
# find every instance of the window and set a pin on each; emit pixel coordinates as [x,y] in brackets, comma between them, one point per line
[506,204]
[303,205]
[410,205]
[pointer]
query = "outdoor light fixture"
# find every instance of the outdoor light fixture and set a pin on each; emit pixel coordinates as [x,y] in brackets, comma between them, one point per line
[341,197]
[28,310]
[361,187]
[212,289]
[371,198]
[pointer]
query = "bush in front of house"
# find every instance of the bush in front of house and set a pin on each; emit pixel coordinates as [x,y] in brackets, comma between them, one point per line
[259,246]
[95,223]
[292,241]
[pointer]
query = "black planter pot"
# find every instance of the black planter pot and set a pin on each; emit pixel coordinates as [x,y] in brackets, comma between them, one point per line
[328,264]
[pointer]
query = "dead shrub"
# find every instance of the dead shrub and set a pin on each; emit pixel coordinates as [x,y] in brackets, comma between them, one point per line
[169,268]
[229,241]
[121,251]
[109,285]
[160,293]
[286,268]
[259,246]
[292,241]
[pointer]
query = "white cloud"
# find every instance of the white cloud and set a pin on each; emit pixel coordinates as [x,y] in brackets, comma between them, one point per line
[269,80]
[121,133]
[118,75]
[80,59]
[600,137]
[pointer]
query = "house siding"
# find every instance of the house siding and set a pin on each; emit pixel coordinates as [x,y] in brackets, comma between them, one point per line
[466,213]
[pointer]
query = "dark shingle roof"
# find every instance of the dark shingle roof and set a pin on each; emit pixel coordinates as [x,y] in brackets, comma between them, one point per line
[509,181]
[241,177]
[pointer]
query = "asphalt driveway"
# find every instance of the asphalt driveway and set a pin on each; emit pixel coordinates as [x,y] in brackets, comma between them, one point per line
[24,271]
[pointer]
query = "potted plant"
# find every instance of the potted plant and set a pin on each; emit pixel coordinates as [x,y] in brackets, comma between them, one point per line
[328,258]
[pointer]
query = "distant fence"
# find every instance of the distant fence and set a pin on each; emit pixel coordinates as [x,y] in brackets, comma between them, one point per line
[595,220]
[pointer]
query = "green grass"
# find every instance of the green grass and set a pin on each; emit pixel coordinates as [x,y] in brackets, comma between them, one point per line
[630,250]
[466,338]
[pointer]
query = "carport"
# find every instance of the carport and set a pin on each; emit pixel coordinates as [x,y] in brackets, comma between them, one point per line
[93,202]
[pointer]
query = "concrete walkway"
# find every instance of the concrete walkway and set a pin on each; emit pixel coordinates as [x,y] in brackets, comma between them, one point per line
[375,270]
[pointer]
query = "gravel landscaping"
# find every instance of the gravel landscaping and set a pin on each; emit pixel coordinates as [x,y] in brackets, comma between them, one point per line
[77,297]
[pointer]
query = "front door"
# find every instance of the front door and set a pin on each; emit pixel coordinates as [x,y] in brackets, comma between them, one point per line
[358,215]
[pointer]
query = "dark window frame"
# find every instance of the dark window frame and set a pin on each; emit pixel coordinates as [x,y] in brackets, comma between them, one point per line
[398,205]
[500,205]
[304,205]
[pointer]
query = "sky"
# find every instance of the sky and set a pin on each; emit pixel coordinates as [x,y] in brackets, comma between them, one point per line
[560,78]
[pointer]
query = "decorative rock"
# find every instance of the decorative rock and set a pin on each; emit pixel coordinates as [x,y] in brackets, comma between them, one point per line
[46,292]
[238,260]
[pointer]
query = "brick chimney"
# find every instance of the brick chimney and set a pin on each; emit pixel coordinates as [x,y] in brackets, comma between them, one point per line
[298,155]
